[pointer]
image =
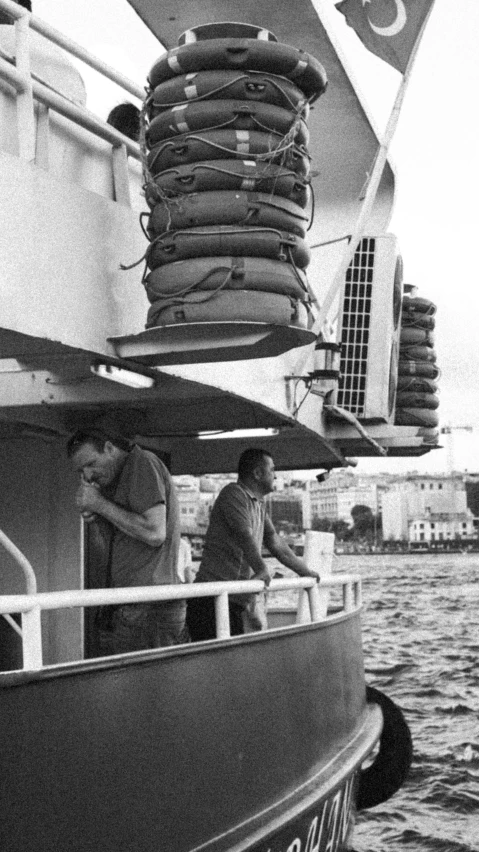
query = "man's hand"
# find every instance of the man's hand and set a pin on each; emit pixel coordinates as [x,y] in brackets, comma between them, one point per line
[263,575]
[306,572]
[88,498]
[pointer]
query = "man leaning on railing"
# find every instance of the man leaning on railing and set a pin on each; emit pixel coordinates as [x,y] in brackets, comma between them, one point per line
[237,531]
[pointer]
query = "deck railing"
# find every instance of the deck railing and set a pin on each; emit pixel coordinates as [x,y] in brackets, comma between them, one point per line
[31,89]
[310,607]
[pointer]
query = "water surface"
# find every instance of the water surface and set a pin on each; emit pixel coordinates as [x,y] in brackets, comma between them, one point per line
[421,647]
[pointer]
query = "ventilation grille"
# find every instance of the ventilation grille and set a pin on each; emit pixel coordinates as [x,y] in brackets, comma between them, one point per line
[356,324]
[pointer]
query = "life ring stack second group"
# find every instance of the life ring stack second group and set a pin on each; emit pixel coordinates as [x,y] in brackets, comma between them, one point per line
[224,144]
[417,397]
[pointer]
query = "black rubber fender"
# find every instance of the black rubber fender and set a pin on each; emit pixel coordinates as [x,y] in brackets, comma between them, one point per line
[391,766]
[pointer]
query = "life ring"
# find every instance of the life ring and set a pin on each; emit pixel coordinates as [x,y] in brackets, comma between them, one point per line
[417,368]
[419,384]
[225,29]
[255,209]
[429,435]
[227,144]
[224,240]
[240,85]
[391,766]
[417,353]
[416,399]
[416,319]
[225,273]
[230,306]
[413,335]
[227,114]
[243,54]
[249,175]
[417,303]
[416,417]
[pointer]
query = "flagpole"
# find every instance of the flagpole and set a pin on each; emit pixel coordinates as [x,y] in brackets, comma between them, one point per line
[369,198]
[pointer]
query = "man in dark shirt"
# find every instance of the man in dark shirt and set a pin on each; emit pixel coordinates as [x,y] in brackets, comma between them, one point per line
[132,490]
[237,531]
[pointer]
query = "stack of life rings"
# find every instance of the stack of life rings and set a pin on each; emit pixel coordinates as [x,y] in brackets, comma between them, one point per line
[224,146]
[417,400]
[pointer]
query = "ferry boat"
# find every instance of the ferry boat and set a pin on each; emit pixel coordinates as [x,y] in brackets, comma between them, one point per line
[258,742]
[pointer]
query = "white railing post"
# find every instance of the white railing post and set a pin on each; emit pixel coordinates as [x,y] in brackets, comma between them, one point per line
[222,616]
[121,183]
[348,597]
[358,598]
[42,147]
[303,612]
[32,639]
[318,555]
[315,607]
[25,109]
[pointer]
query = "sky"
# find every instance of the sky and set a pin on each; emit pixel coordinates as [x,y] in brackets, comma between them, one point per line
[435,155]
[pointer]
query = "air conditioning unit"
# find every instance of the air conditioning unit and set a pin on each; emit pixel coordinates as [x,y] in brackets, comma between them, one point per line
[369,330]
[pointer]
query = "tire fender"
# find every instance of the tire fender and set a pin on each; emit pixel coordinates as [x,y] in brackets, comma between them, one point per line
[391,766]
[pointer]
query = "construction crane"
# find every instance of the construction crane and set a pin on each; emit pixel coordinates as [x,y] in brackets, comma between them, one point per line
[449,430]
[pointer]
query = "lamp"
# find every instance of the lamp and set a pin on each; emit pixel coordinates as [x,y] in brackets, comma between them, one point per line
[124,377]
[239,433]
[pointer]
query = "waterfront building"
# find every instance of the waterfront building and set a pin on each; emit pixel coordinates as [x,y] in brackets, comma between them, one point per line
[320,500]
[441,527]
[285,508]
[421,500]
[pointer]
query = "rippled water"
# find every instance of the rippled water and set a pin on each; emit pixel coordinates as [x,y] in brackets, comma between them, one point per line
[421,647]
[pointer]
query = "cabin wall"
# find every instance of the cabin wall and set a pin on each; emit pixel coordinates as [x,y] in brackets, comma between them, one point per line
[38,513]
[62,247]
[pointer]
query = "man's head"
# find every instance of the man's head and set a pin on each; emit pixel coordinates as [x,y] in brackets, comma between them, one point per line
[96,456]
[126,118]
[256,469]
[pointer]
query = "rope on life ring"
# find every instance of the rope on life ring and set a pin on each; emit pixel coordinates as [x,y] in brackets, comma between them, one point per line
[391,766]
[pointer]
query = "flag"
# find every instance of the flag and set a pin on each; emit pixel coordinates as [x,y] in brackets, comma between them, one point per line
[389,28]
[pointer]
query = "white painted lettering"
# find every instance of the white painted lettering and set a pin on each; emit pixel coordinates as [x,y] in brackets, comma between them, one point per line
[346,809]
[333,822]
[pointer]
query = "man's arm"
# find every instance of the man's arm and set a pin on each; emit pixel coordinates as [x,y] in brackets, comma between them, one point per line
[283,553]
[148,527]
[253,556]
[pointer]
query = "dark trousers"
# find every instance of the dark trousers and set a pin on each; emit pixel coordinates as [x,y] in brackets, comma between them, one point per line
[200,619]
[137,627]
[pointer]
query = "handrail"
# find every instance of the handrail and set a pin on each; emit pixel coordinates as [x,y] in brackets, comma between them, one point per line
[31,88]
[55,36]
[22,561]
[31,605]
